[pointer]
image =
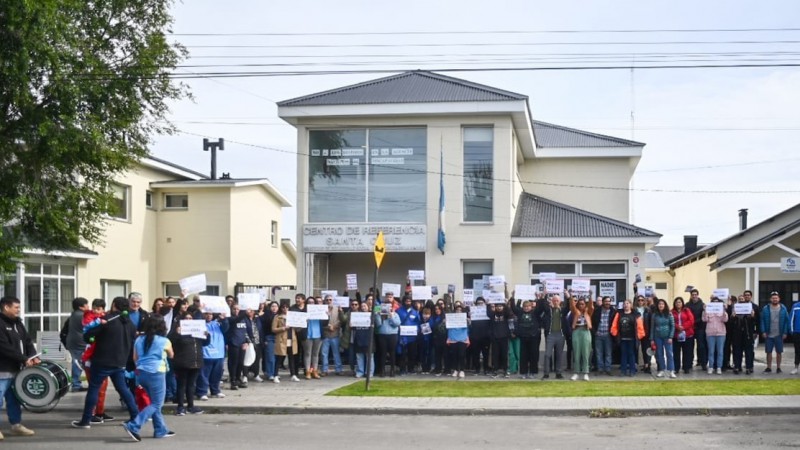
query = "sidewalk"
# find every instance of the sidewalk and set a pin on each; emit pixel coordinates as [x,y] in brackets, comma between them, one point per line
[308,397]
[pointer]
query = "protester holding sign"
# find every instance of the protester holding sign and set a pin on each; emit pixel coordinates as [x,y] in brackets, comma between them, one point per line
[743,333]
[684,336]
[187,362]
[457,341]
[498,317]
[527,328]
[238,338]
[286,343]
[409,317]
[479,337]
[301,333]
[213,357]
[715,317]
[363,339]
[662,329]
[581,311]
[387,331]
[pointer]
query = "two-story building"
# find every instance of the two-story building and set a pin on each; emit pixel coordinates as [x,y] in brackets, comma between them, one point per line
[520,196]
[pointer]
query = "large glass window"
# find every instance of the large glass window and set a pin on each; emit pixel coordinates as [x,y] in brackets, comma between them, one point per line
[367,175]
[478,174]
[120,208]
[476,270]
[49,290]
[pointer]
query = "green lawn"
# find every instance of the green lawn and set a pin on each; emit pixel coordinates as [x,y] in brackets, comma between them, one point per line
[385,388]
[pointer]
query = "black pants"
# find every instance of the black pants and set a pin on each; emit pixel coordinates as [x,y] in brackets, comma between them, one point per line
[683,351]
[644,344]
[568,340]
[235,363]
[702,348]
[500,354]
[254,368]
[458,352]
[480,347]
[796,341]
[727,351]
[529,355]
[292,361]
[187,380]
[409,357]
[743,344]
[387,343]
[440,356]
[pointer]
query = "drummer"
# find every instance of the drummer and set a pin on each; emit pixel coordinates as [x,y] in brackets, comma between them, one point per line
[13,339]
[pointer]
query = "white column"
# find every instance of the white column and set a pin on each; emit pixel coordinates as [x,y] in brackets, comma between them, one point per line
[20,294]
[747,278]
[757,277]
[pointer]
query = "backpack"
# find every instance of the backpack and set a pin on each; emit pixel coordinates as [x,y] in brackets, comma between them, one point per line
[64,332]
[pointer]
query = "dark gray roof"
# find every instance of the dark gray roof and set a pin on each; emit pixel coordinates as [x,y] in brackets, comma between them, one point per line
[669,252]
[171,164]
[539,217]
[219,181]
[418,86]
[549,135]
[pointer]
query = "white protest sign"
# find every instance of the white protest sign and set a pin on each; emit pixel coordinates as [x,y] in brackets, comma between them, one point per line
[194,328]
[468,296]
[456,320]
[553,286]
[581,286]
[421,293]
[263,295]
[477,285]
[341,302]
[425,328]
[620,305]
[649,290]
[416,275]
[389,288]
[485,293]
[360,319]
[543,276]
[352,282]
[408,330]
[743,308]
[721,293]
[608,289]
[497,282]
[333,294]
[296,319]
[495,297]
[317,312]
[214,304]
[248,301]
[194,284]
[478,313]
[525,292]
[715,308]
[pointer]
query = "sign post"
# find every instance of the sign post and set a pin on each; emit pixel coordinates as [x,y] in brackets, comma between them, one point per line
[380,252]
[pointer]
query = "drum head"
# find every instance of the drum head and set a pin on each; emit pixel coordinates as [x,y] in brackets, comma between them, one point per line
[36,387]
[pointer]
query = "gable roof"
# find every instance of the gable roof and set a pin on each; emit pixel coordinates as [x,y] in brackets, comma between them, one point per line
[224,182]
[171,168]
[419,86]
[549,135]
[539,217]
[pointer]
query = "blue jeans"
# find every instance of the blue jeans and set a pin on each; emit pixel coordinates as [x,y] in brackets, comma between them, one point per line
[331,345]
[664,349]
[602,348]
[628,356]
[716,345]
[270,369]
[210,377]
[13,408]
[361,360]
[155,384]
[172,383]
[77,367]
[98,375]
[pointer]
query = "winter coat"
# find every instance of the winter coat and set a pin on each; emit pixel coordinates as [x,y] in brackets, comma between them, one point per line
[282,336]
[684,319]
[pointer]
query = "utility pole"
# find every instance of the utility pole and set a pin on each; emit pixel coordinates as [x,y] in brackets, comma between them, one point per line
[213,146]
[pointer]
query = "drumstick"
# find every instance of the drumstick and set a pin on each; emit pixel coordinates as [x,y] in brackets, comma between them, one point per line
[35,356]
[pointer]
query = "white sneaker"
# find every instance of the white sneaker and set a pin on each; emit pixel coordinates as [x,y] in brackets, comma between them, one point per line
[794,372]
[710,370]
[586,377]
[461,374]
[20,430]
[276,380]
[220,395]
[258,378]
[455,373]
[660,374]
[204,398]
[672,374]
[719,371]
[294,378]
[244,380]
[574,377]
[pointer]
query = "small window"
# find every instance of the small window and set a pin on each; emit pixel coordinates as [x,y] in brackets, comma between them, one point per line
[661,285]
[274,234]
[119,208]
[476,270]
[603,269]
[176,201]
[148,199]
[174,289]
[560,268]
[113,288]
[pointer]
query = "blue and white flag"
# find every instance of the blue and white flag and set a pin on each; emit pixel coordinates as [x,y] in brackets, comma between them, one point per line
[441,240]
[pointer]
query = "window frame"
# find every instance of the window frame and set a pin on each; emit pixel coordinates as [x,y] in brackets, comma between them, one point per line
[104,288]
[166,206]
[126,192]
[464,219]
[149,197]
[274,233]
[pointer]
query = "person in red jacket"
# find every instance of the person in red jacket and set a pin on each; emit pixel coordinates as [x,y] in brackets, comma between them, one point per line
[684,335]
[97,312]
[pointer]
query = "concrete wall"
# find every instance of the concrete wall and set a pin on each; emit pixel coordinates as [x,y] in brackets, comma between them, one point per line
[696,274]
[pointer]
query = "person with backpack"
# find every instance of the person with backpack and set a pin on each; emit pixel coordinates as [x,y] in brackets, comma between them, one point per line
[72,340]
[628,329]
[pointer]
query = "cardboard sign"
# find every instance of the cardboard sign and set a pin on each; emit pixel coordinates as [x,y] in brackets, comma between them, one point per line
[416,275]
[214,304]
[544,276]
[360,319]
[249,301]
[317,312]
[456,320]
[722,294]
[408,330]
[352,282]
[553,286]
[743,308]
[341,302]
[421,293]
[581,286]
[194,328]
[389,288]
[194,284]
[478,313]
[525,292]
[468,296]
[715,308]
[333,294]
[296,319]
[495,297]
[425,328]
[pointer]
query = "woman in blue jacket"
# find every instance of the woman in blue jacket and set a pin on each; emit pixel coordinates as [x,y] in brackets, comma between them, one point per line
[409,317]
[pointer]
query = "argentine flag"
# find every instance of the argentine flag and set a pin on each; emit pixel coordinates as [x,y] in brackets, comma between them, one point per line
[441,240]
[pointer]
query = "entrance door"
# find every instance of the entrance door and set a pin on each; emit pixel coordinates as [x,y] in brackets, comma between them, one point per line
[786,289]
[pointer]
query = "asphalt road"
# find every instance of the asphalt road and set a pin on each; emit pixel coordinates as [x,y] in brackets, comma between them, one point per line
[422,432]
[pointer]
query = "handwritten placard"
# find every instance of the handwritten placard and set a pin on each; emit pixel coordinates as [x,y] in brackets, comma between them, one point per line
[408,330]
[478,313]
[743,308]
[722,294]
[249,301]
[194,284]
[214,304]
[416,275]
[333,294]
[341,302]
[194,328]
[352,282]
[581,286]
[715,308]
[456,320]
[390,288]
[421,293]
[477,285]
[360,319]
[525,292]
[608,289]
[497,282]
[317,312]
[468,296]
[296,319]
[543,276]
[553,286]
[495,297]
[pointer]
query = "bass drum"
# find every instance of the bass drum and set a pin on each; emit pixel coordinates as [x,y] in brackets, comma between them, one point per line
[39,388]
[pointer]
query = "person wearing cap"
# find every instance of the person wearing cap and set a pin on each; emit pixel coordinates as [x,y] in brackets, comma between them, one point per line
[774,329]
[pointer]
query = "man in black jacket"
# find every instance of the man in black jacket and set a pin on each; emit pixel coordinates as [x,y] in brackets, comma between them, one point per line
[16,351]
[113,336]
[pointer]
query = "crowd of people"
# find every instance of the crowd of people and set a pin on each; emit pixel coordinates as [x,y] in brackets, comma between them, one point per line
[150,362]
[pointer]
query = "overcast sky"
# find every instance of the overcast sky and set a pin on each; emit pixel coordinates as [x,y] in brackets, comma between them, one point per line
[716,138]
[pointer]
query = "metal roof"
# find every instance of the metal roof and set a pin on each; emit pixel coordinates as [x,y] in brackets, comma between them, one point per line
[549,135]
[419,86]
[539,217]
[178,169]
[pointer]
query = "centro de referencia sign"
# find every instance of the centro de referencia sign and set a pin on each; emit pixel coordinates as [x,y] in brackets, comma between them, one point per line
[361,238]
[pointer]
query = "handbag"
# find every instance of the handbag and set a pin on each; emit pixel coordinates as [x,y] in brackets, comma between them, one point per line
[249,355]
[142,398]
